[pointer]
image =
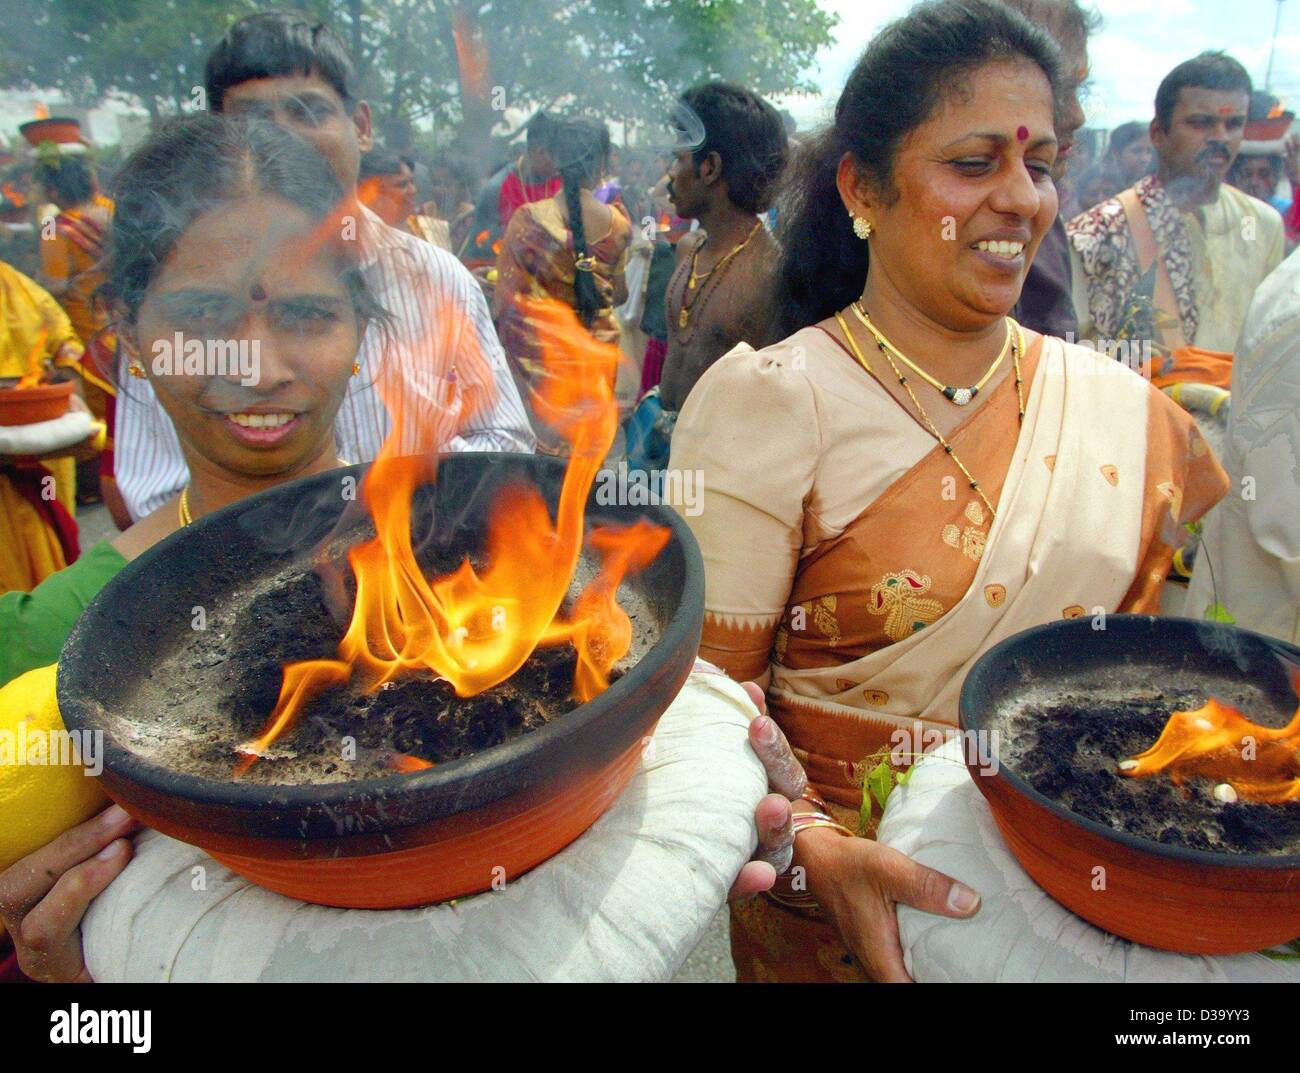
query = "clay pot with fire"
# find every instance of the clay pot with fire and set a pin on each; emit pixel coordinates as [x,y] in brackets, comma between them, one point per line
[1148,775]
[388,686]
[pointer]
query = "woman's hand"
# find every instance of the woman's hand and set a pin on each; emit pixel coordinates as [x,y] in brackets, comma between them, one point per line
[44,896]
[859,883]
[773,816]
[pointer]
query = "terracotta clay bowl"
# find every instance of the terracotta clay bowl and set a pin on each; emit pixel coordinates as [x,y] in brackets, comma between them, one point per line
[403,839]
[1172,897]
[60,129]
[30,405]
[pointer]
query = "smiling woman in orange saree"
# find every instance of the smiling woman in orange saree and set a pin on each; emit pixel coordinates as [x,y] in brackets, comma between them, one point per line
[909,477]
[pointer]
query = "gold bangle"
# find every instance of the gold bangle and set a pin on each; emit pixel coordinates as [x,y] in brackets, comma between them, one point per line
[804,820]
[816,800]
[782,893]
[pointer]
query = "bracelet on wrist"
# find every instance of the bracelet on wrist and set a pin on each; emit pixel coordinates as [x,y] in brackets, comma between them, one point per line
[783,892]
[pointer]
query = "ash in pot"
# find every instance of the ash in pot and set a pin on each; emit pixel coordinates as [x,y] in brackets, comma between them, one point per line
[232,671]
[1068,749]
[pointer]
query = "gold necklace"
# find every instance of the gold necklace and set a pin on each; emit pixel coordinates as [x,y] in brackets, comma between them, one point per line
[1016,349]
[684,317]
[959,396]
[183,506]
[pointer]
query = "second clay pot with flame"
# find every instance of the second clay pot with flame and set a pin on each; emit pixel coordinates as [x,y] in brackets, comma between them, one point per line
[1171,897]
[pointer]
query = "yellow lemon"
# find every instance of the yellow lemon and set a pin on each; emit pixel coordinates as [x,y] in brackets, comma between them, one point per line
[44,791]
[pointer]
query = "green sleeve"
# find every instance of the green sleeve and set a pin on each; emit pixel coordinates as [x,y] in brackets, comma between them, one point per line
[34,625]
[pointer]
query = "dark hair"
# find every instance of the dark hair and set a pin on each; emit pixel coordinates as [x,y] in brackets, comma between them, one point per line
[70,179]
[1069,22]
[581,149]
[1125,135]
[1097,173]
[895,87]
[274,44]
[1238,166]
[1209,70]
[461,171]
[380,161]
[191,165]
[540,131]
[749,137]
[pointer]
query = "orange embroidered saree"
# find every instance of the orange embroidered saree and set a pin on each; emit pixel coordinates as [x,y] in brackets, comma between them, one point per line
[860,585]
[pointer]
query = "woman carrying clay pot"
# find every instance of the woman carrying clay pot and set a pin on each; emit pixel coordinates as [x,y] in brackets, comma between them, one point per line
[909,476]
[225,230]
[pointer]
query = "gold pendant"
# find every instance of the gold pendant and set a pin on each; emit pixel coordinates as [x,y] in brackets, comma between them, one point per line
[682,318]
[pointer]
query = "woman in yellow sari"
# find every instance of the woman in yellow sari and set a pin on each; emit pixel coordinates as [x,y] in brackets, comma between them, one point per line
[910,477]
[72,256]
[37,532]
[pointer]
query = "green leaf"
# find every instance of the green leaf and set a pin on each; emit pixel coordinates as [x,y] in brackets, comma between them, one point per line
[1219,613]
[880,781]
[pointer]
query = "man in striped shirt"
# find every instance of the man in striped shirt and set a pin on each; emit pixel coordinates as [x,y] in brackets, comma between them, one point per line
[296,73]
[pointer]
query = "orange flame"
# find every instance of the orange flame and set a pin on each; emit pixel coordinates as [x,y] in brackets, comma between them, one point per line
[35,363]
[475,630]
[404,764]
[1217,742]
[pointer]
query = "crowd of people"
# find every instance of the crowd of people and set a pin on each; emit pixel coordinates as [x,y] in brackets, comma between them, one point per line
[889,347]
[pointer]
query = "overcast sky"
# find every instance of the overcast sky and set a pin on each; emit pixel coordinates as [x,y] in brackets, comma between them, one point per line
[1138,44]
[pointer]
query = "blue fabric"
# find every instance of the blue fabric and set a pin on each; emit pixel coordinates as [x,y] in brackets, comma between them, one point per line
[647,447]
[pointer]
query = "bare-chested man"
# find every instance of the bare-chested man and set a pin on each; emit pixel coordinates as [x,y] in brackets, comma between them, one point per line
[732,151]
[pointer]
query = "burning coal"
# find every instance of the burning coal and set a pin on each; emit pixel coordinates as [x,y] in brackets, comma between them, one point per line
[474,630]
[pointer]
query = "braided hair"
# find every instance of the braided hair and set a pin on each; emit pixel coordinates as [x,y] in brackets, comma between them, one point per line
[581,150]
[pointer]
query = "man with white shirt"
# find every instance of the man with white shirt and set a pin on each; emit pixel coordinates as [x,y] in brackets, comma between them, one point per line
[1175,259]
[296,73]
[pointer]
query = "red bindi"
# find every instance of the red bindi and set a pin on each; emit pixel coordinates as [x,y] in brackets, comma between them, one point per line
[257,293]
[1022,133]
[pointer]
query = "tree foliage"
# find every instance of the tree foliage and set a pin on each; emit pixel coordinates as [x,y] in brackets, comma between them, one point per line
[457,62]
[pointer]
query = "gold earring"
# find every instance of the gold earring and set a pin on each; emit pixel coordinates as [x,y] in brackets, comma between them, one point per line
[356,367]
[861,227]
[136,370]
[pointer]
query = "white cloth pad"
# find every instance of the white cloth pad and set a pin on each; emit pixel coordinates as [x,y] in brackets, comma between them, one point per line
[627,901]
[46,437]
[1020,934]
